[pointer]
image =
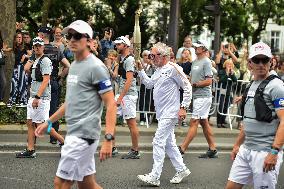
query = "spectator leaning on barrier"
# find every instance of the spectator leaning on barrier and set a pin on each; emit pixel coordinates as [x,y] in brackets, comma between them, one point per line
[112,66]
[187,44]
[166,81]
[18,92]
[39,101]
[281,69]
[258,150]
[128,93]
[146,102]
[227,50]
[58,39]
[227,78]
[201,80]
[185,62]
[3,81]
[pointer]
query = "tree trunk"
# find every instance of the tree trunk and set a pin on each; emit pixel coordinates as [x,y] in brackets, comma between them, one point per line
[256,35]
[8,28]
[45,9]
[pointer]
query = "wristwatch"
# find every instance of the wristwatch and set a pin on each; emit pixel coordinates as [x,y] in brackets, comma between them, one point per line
[109,137]
[37,97]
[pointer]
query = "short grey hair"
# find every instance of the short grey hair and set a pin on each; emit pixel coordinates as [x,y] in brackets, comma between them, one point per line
[163,49]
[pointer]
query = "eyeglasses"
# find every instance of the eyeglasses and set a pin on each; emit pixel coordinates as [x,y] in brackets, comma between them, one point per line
[77,36]
[153,56]
[264,60]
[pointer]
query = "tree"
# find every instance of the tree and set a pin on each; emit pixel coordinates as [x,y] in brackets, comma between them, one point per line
[7,25]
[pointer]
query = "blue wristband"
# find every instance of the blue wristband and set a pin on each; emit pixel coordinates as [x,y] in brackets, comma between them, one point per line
[49,126]
[274,151]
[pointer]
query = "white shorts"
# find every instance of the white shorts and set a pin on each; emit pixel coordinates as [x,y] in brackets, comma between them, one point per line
[128,106]
[39,114]
[247,169]
[77,159]
[201,108]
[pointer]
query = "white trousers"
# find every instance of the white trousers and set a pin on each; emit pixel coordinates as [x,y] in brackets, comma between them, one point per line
[165,142]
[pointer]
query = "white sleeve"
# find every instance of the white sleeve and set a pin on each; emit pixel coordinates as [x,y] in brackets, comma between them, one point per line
[149,84]
[184,83]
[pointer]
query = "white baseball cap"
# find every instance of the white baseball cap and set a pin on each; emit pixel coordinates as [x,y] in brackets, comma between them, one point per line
[201,43]
[79,26]
[38,40]
[260,48]
[123,40]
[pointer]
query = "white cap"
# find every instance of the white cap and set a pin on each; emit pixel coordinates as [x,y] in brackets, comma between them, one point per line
[123,40]
[79,26]
[260,48]
[38,40]
[201,43]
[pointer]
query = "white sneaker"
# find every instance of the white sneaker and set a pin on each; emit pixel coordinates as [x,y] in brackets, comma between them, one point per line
[142,123]
[179,176]
[149,179]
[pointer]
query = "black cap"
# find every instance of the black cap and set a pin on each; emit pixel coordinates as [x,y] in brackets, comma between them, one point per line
[47,30]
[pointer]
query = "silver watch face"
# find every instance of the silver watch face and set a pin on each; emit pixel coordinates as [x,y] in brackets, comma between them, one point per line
[108,137]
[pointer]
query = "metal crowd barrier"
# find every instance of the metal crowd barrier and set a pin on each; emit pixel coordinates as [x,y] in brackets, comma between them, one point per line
[222,101]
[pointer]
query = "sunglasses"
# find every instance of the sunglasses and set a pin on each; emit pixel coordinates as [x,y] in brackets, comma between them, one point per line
[77,36]
[153,56]
[264,60]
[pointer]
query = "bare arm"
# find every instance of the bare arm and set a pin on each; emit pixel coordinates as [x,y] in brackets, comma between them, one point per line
[279,137]
[129,77]
[204,83]
[43,85]
[108,99]
[240,140]
[66,66]
[28,66]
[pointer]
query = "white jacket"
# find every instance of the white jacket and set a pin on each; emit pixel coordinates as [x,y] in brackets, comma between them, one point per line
[167,80]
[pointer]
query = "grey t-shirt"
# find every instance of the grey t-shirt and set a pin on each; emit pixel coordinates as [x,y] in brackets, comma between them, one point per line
[129,66]
[201,69]
[260,135]
[86,81]
[45,69]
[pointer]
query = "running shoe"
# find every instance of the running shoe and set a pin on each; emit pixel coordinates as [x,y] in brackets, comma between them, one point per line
[149,179]
[179,176]
[209,154]
[26,154]
[132,154]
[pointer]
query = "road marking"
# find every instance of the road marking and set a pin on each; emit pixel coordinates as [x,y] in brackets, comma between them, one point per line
[120,152]
[17,179]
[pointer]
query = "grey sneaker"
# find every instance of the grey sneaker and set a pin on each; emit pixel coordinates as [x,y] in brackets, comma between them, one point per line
[132,154]
[179,176]
[209,154]
[26,154]
[149,179]
[114,151]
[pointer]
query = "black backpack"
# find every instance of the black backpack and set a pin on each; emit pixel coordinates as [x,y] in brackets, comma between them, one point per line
[263,112]
[38,74]
[122,71]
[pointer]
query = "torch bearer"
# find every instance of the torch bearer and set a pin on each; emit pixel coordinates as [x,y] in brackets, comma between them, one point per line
[137,36]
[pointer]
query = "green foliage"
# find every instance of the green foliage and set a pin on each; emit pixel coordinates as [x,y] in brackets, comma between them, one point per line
[12,115]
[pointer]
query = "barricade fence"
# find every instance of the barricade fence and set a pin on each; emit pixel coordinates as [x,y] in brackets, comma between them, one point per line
[223,95]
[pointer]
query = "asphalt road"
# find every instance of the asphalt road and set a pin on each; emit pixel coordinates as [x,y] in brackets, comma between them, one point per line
[116,173]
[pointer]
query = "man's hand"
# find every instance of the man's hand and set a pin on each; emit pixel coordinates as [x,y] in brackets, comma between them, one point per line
[41,129]
[238,99]
[35,103]
[139,65]
[106,150]
[270,162]
[119,100]
[234,152]
[182,114]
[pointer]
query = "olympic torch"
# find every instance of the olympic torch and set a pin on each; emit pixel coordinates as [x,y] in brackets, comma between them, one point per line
[137,36]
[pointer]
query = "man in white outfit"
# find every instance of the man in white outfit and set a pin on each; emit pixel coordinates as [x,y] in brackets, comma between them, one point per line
[166,80]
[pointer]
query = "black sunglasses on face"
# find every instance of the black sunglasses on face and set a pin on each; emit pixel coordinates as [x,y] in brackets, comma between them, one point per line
[264,60]
[77,36]
[152,56]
